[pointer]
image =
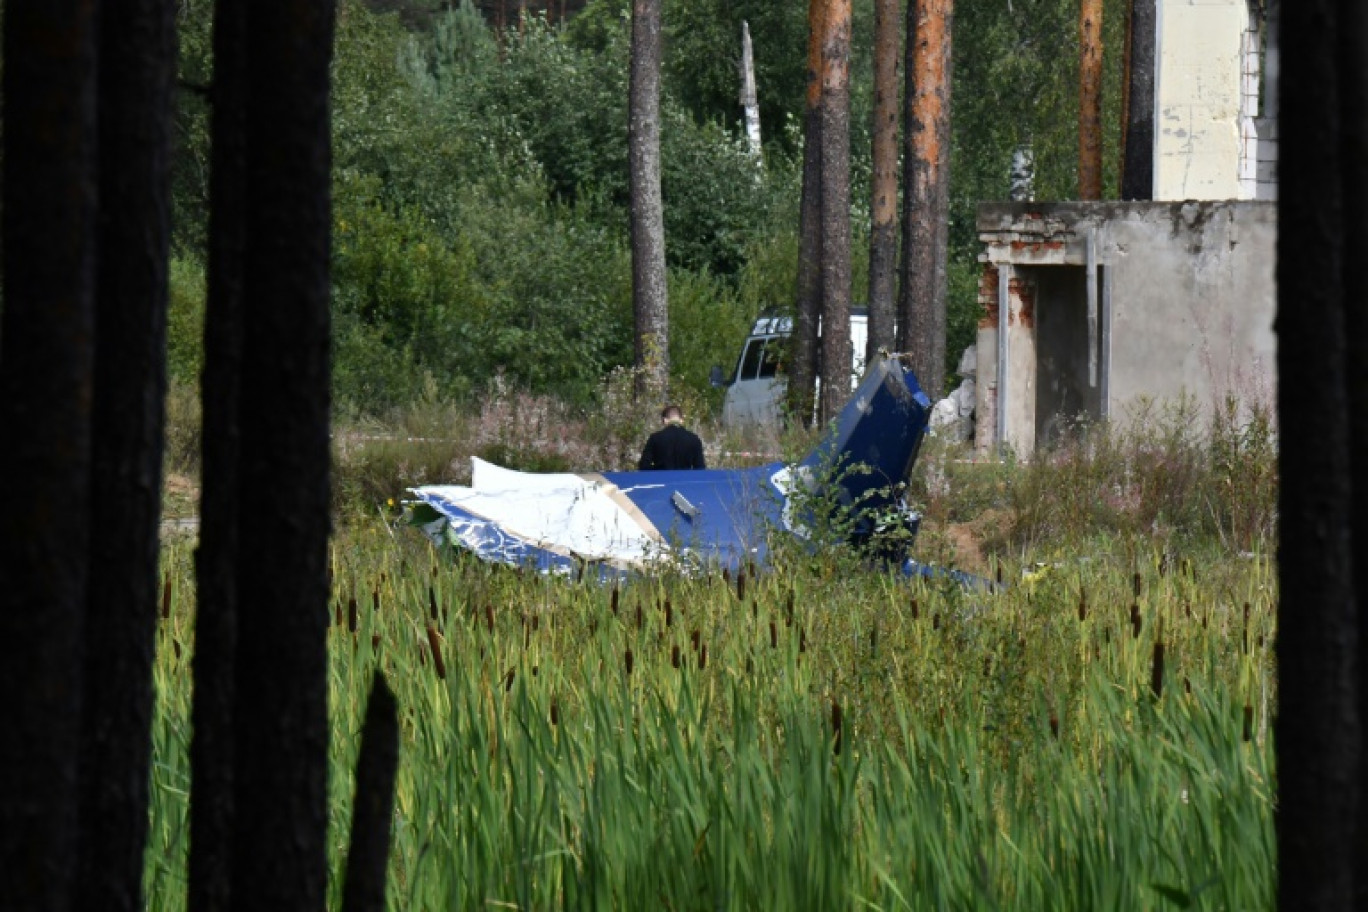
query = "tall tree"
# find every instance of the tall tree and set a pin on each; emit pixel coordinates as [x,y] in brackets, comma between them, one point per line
[211,744]
[835,221]
[926,190]
[280,719]
[1137,169]
[1090,99]
[1322,807]
[47,366]
[136,65]
[808,301]
[650,300]
[883,205]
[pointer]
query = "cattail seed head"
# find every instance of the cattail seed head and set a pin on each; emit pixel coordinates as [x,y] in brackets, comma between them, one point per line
[1135,619]
[669,614]
[489,617]
[509,677]
[750,664]
[375,642]
[694,638]
[166,597]
[774,635]
[613,600]
[1248,723]
[1054,726]
[1082,607]
[435,642]
[640,620]
[351,614]
[741,585]
[935,621]
[555,712]
[802,640]
[1135,585]
[337,614]
[916,608]
[629,661]
[674,655]
[375,600]
[432,603]
[703,657]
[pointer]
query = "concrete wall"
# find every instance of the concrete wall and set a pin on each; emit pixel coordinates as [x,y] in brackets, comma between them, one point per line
[1184,301]
[1200,80]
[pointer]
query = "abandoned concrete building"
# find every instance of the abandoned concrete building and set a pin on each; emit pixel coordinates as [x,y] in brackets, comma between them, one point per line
[1106,304]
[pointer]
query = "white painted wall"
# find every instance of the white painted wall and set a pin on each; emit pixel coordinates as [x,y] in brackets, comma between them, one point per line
[1199,88]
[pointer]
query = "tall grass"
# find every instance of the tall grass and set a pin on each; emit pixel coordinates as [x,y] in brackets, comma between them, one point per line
[1008,751]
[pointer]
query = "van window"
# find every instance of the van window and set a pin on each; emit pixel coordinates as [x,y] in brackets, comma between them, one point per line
[750,361]
[771,364]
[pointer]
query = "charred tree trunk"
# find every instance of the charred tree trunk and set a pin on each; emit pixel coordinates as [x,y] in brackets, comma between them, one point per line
[808,303]
[835,246]
[211,744]
[1090,100]
[1323,526]
[1137,173]
[650,300]
[926,190]
[883,204]
[47,366]
[280,719]
[136,66]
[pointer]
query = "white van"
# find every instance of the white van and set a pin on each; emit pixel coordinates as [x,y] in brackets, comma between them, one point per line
[756,387]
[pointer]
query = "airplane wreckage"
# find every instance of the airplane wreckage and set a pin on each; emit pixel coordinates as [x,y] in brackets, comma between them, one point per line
[615,524]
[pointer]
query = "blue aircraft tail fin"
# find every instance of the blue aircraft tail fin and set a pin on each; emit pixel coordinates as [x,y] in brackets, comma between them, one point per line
[872,445]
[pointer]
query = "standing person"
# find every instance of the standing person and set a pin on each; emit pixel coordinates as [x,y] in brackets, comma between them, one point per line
[673,446]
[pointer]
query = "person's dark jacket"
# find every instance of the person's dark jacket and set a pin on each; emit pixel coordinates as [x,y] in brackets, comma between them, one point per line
[672,447]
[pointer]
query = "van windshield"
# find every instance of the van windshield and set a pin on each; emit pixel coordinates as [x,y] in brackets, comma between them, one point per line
[763,358]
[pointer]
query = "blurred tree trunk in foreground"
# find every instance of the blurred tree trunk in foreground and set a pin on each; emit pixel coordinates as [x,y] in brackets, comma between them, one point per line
[1322,649]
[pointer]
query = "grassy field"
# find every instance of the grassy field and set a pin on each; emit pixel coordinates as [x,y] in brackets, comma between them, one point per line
[1097,736]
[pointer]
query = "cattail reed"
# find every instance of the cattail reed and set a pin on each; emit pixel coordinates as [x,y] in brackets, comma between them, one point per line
[435,642]
[674,655]
[802,640]
[1248,722]
[375,642]
[1082,606]
[613,600]
[836,726]
[726,575]
[176,647]
[935,620]
[1157,670]
[750,664]
[703,657]
[432,603]
[741,585]
[1135,585]
[694,639]
[555,712]
[1054,726]
[640,620]
[1135,619]
[536,622]
[337,614]
[916,608]
[375,600]
[509,676]
[489,617]
[629,661]
[166,597]
[774,635]
[669,614]
[351,614]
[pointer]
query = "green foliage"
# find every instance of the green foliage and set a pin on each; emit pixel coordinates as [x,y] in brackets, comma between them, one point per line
[185,319]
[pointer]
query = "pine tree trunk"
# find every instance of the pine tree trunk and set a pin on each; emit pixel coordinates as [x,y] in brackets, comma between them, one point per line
[1319,728]
[47,362]
[1137,175]
[835,247]
[280,812]
[136,66]
[883,205]
[808,300]
[926,190]
[211,744]
[1090,100]
[650,301]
